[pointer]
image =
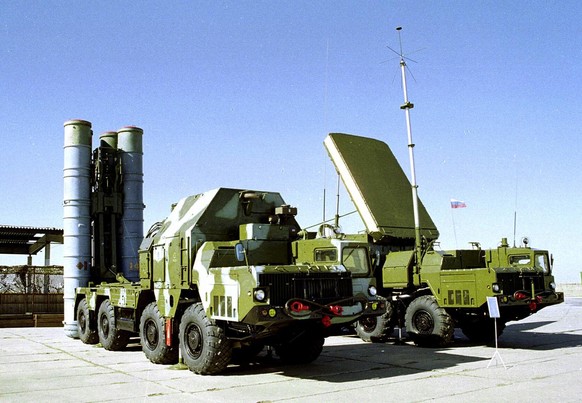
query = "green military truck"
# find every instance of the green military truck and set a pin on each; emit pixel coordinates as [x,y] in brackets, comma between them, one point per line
[432,291]
[222,277]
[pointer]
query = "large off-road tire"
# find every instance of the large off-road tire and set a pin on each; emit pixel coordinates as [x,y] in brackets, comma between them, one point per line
[376,329]
[85,326]
[482,331]
[302,349]
[153,338]
[428,324]
[204,346]
[110,337]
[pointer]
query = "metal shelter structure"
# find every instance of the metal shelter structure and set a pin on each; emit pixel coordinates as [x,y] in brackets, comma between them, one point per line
[30,295]
[28,240]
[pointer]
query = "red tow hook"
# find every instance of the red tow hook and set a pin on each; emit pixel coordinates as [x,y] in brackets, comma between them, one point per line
[533,304]
[336,309]
[298,306]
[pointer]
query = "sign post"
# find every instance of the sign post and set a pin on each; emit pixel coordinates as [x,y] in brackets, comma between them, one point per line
[493,308]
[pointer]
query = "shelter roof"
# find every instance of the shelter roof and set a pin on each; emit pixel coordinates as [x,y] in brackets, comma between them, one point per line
[27,240]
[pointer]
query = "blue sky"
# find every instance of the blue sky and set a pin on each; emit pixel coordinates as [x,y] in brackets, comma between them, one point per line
[242,94]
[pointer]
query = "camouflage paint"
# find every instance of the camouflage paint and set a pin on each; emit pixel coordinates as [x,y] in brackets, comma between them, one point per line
[191,255]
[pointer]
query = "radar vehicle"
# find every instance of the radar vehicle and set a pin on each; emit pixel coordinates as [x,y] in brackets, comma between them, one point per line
[432,291]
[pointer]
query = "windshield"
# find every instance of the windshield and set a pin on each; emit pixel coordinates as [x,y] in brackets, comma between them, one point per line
[326,255]
[542,262]
[355,259]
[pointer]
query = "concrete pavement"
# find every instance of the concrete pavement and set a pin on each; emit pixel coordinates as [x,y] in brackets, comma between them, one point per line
[542,356]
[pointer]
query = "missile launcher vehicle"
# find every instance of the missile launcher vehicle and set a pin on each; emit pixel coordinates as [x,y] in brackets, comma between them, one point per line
[228,272]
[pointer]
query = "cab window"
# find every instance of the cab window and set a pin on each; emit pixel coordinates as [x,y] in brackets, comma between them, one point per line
[522,260]
[326,255]
[542,262]
[355,259]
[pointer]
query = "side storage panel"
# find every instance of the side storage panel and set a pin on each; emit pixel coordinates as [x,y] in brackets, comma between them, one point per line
[159,264]
[395,273]
[145,263]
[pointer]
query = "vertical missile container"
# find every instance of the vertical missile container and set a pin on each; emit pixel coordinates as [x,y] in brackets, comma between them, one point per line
[76,214]
[129,143]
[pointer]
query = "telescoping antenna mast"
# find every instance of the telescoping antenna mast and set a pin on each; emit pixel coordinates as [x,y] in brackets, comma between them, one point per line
[407,106]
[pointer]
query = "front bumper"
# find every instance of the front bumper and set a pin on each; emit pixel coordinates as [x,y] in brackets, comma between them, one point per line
[512,308]
[333,313]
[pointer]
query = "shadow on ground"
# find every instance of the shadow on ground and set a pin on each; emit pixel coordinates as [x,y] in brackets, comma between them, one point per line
[355,362]
[398,356]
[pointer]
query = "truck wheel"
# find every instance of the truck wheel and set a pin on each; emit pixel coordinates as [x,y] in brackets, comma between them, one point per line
[303,349]
[86,328]
[153,338]
[110,337]
[428,324]
[482,331]
[376,329]
[204,346]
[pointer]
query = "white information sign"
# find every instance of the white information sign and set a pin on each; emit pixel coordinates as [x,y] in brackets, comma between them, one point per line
[493,307]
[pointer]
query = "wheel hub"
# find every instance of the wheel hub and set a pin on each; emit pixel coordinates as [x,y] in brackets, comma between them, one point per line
[82,321]
[151,334]
[369,324]
[423,322]
[194,341]
[105,325]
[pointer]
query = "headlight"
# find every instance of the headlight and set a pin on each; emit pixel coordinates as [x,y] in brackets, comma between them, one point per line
[553,285]
[260,295]
[372,291]
[496,288]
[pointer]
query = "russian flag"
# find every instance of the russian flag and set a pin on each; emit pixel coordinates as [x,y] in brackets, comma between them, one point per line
[457,204]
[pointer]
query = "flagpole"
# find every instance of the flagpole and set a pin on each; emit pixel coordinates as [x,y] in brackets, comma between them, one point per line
[454,227]
[455,204]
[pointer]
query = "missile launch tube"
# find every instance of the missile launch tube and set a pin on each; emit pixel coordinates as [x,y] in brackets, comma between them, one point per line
[108,139]
[129,143]
[76,216]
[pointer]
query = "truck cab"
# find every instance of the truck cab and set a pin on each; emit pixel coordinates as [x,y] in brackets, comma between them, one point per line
[524,279]
[350,252]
